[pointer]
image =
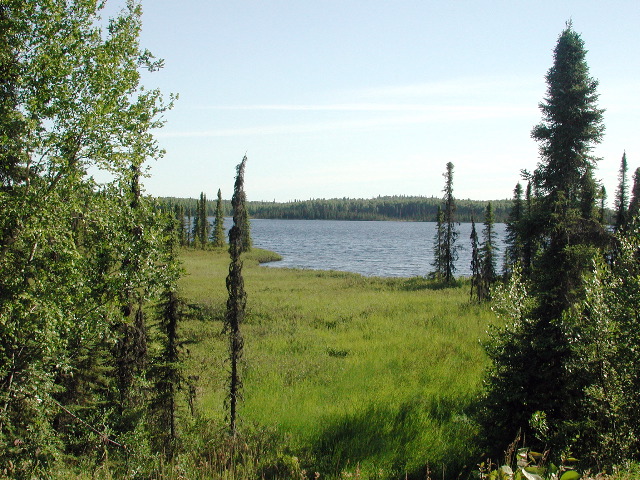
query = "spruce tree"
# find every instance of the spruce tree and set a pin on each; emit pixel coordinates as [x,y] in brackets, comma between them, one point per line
[449,247]
[514,251]
[201,227]
[603,205]
[622,195]
[237,298]
[218,224]
[529,240]
[245,226]
[536,349]
[130,350]
[634,205]
[588,195]
[488,272]
[438,242]
[476,277]
[167,371]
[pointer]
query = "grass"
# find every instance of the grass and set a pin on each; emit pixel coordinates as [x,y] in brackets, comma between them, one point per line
[363,376]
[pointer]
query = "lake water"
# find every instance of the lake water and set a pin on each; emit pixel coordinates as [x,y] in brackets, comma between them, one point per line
[383,249]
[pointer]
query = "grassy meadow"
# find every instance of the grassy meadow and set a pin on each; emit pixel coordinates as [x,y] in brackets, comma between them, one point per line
[362,377]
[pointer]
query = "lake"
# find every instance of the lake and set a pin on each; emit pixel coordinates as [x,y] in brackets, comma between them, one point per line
[382,249]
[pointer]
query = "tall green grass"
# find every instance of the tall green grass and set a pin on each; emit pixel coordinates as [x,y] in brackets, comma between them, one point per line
[363,376]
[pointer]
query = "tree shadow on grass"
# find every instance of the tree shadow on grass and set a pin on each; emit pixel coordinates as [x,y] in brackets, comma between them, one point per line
[397,441]
[424,283]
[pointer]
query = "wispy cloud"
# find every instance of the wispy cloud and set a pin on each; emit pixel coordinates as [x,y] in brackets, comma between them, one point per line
[481,88]
[420,114]
[336,107]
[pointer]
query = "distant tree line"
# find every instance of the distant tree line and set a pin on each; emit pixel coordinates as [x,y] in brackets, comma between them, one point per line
[397,207]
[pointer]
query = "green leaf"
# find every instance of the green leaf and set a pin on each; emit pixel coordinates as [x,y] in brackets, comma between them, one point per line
[531,476]
[537,470]
[570,475]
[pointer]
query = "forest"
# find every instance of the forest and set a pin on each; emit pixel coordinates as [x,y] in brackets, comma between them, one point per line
[400,208]
[136,344]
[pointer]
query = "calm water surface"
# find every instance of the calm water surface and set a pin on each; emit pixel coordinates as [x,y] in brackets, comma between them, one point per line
[384,249]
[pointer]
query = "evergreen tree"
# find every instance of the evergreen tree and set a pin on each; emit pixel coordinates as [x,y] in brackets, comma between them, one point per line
[237,299]
[488,272]
[438,243]
[588,194]
[190,228]
[130,349]
[218,224]
[476,277]
[634,205]
[201,226]
[536,349]
[245,225]
[529,242]
[449,247]
[622,195]
[166,371]
[183,230]
[514,251]
[603,205]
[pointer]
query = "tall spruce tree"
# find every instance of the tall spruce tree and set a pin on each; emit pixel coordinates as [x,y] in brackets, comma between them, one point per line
[130,349]
[588,194]
[537,347]
[634,204]
[201,226]
[476,276]
[167,371]
[488,273]
[529,241]
[237,298]
[622,195]
[449,247]
[218,224]
[514,246]
[603,205]
[438,243]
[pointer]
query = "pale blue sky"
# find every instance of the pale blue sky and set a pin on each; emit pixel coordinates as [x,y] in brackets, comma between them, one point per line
[335,98]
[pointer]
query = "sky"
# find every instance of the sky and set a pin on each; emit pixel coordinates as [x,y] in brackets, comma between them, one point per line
[346,98]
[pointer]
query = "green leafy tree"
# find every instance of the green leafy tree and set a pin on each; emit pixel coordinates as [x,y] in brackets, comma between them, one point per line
[218,224]
[237,298]
[70,102]
[536,350]
[606,346]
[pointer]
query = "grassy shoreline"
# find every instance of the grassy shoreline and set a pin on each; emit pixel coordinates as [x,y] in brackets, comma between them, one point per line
[368,374]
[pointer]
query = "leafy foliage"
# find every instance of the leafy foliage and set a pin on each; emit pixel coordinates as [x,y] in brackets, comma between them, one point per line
[78,259]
